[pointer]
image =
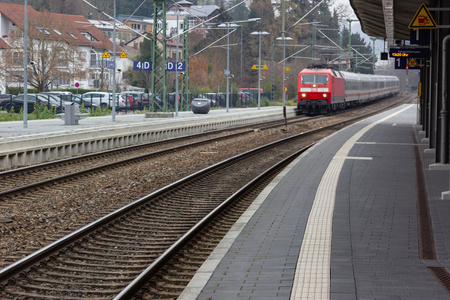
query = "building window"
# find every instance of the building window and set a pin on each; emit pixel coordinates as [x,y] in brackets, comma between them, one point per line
[89,36]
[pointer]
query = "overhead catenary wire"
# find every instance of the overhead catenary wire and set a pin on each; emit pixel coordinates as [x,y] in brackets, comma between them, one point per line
[120,23]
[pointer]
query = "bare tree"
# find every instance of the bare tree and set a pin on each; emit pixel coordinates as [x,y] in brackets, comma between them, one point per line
[51,54]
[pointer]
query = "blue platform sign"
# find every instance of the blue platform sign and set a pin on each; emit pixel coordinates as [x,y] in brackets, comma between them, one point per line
[176,66]
[142,66]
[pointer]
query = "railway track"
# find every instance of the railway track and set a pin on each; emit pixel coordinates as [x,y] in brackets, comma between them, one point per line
[17,180]
[99,260]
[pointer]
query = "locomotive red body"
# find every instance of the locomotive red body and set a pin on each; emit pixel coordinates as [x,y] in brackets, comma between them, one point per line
[323,89]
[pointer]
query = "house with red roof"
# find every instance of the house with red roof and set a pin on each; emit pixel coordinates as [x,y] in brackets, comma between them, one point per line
[63,49]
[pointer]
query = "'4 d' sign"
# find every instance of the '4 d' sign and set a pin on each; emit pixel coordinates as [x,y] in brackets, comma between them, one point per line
[409,52]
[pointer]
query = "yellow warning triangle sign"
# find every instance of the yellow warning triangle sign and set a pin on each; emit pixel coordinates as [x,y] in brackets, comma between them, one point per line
[422,19]
[106,55]
[123,55]
[254,67]
[265,67]
[412,62]
[287,69]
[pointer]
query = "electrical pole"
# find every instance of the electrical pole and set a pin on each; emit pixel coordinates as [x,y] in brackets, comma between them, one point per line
[350,53]
[159,56]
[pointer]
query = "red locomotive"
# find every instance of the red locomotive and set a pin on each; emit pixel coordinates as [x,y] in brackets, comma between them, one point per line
[322,89]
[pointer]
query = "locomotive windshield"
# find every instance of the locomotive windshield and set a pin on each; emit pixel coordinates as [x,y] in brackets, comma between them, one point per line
[314,78]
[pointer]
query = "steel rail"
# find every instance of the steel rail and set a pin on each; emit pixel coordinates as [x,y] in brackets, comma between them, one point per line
[29,261]
[159,263]
[49,250]
[30,168]
[121,162]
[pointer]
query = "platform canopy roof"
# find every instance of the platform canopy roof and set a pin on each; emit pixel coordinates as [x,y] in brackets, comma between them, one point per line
[387,19]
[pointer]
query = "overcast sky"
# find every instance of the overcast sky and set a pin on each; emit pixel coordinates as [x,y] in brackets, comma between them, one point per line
[356,27]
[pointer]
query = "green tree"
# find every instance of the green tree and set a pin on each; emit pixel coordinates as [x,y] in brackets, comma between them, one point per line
[142,78]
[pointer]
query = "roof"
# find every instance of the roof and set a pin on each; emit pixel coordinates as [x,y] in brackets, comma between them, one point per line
[4,44]
[16,13]
[202,11]
[386,19]
[73,29]
[108,25]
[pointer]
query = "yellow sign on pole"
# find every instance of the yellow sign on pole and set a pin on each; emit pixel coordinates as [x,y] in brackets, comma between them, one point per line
[287,69]
[123,55]
[106,55]
[254,67]
[285,89]
[422,19]
[412,62]
[265,67]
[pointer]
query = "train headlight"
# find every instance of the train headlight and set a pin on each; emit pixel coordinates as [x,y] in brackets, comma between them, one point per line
[304,95]
[324,95]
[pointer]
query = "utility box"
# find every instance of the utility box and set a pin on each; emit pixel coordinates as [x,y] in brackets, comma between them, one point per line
[69,113]
[200,105]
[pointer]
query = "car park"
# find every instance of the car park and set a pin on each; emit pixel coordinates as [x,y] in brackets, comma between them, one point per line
[78,100]
[104,99]
[54,99]
[17,103]
[69,97]
[140,99]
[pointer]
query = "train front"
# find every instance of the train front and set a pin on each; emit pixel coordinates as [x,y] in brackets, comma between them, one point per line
[314,91]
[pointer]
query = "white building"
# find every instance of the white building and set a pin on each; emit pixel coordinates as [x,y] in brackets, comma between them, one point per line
[72,43]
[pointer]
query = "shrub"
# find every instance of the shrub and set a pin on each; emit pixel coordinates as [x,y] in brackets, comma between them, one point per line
[98,111]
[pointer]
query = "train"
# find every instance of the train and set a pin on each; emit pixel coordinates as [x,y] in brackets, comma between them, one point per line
[322,89]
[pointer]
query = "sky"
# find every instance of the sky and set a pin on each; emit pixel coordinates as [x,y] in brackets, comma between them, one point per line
[356,27]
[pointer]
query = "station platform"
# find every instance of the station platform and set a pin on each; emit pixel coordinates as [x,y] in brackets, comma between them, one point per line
[43,140]
[340,222]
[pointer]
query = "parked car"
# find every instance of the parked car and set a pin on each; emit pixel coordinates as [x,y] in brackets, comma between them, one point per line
[54,99]
[171,99]
[140,99]
[132,100]
[69,97]
[16,103]
[4,100]
[78,100]
[104,100]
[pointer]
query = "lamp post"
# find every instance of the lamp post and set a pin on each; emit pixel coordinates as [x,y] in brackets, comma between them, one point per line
[350,36]
[284,38]
[259,64]
[114,66]
[25,68]
[227,70]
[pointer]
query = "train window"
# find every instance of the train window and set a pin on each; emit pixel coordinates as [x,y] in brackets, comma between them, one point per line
[314,78]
